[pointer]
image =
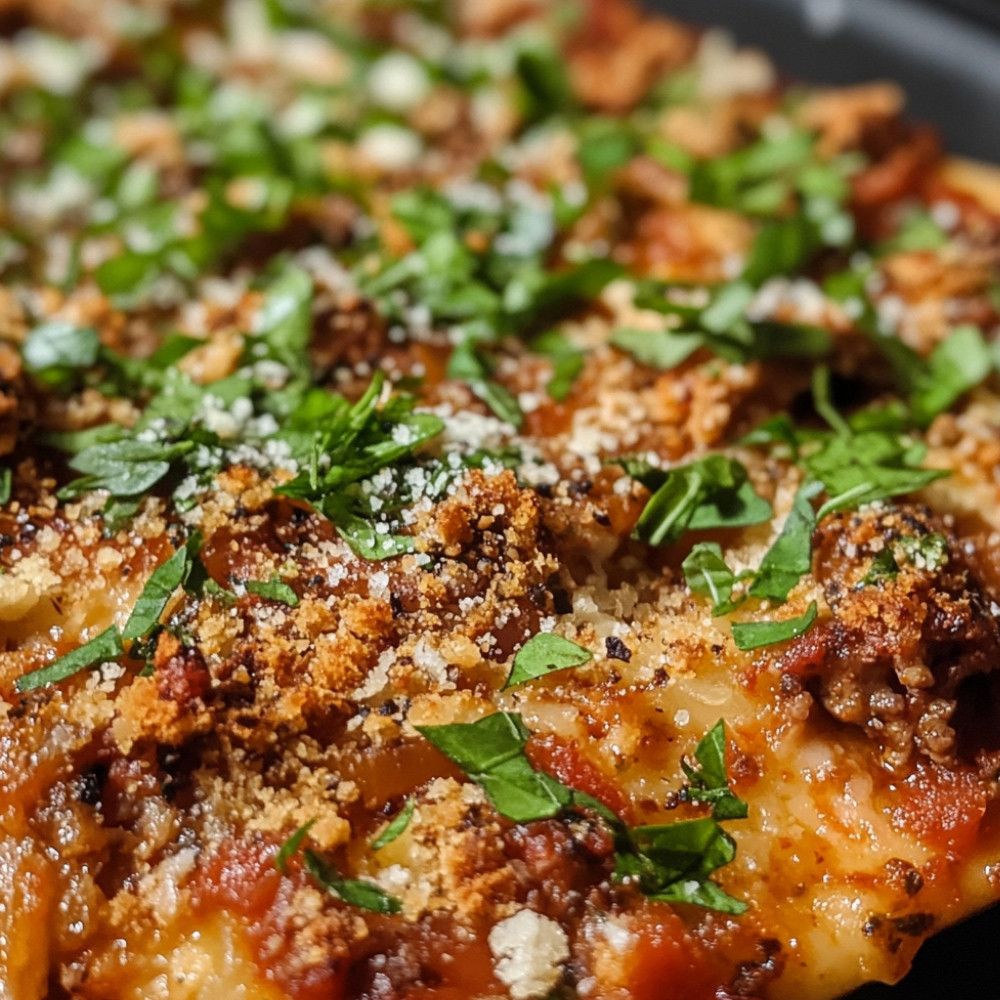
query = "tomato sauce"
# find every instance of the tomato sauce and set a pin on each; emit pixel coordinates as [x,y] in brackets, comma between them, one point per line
[666,962]
[942,807]
[566,761]
[241,878]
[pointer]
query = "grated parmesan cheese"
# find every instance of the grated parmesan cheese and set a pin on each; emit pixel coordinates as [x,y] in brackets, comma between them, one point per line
[528,950]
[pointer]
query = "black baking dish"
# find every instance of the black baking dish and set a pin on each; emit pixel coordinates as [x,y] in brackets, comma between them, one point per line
[947,57]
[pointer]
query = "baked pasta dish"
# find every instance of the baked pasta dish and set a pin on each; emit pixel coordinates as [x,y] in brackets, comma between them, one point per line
[499,500]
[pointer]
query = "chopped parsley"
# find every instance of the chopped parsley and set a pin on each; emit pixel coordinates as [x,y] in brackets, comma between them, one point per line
[291,846]
[567,363]
[491,753]
[867,457]
[340,445]
[801,198]
[930,385]
[55,350]
[674,863]
[505,287]
[784,564]
[355,892]
[470,364]
[957,364]
[274,589]
[283,329]
[160,587]
[708,780]
[670,863]
[142,623]
[103,648]
[660,349]
[719,324]
[925,552]
[713,492]
[865,463]
[125,468]
[790,557]
[398,825]
[871,455]
[753,635]
[708,575]
[544,654]
[917,231]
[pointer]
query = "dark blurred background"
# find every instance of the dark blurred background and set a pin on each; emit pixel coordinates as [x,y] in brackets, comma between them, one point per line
[947,56]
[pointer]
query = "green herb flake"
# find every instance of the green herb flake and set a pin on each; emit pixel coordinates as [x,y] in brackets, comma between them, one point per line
[605,144]
[708,575]
[469,364]
[925,552]
[918,231]
[291,846]
[500,400]
[491,753]
[127,274]
[669,863]
[672,863]
[396,827]
[284,323]
[354,892]
[957,364]
[119,512]
[53,350]
[823,402]
[753,635]
[709,781]
[338,445]
[363,536]
[6,484]
[160,587]
[545,654]
[545,82]
[883,567]
[59,344]
[274,589]
[865,458]
[124,468]
[782,246]
[213,589]
[102,648]
[714,492]
[567,363]
[565,371]
[868,466]
[663,350]
[790,557]
[720,325]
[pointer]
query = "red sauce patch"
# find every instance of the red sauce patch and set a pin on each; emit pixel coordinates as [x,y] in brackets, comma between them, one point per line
[666,962]
[943,808]
[430,960]
[565,761]
[242,880]
[181,674]
[805,655]
[562,867]
[896,171]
